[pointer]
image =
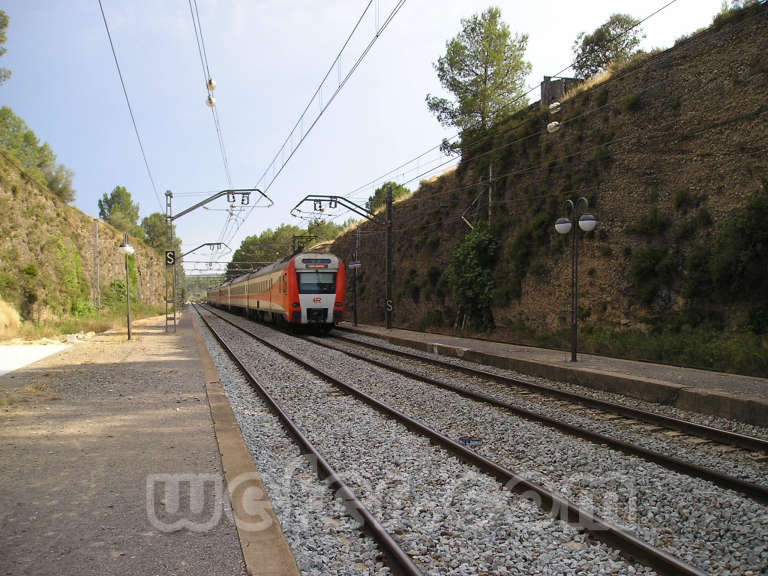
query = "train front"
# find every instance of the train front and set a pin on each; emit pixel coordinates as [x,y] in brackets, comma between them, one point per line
[320,283]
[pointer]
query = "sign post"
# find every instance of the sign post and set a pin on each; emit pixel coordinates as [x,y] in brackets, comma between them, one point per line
[354,266]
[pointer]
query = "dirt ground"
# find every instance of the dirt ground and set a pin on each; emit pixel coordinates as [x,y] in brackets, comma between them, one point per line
[82,432]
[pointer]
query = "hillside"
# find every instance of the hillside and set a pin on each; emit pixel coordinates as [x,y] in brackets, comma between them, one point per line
[48,252]
[671,153]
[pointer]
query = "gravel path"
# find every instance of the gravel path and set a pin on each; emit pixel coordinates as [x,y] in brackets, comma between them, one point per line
[449,517]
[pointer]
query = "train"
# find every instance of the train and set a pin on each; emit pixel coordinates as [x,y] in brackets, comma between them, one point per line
[306,289]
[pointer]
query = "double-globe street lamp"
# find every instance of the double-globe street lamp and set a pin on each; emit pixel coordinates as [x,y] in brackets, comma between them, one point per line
[587,222]
[127,249]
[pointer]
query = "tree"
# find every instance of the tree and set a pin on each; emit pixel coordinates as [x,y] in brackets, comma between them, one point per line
[615,41]
[37,160]
[483,68]
[272,245]
[118,209]
[379,197]
[323,229]
[154,232]
[258,250]
[60,183]
[4,72]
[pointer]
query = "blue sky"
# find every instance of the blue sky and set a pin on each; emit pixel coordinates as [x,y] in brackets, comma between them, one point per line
[267,57]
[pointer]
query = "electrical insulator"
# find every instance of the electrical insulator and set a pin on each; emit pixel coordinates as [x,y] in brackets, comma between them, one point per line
[553,127]
[210,101]
[211,84]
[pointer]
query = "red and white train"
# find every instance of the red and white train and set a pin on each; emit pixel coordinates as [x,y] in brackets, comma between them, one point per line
[305,289]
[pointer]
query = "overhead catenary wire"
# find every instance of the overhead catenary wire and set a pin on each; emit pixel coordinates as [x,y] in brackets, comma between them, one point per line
[661,136]
[317,92]
[130,109]
[507,127]
[284,160]
[660,132]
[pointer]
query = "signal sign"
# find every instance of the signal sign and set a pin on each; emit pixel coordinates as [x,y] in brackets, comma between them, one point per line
[170,257]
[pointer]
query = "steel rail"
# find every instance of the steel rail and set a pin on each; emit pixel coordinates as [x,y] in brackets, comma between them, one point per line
[755,491]
[558,506]
[399,560]
[710,433]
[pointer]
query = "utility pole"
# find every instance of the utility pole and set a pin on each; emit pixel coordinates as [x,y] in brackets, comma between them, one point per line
[357,260]
[389,307]
[172,295]
[170,264]
[97,286]
[490,193]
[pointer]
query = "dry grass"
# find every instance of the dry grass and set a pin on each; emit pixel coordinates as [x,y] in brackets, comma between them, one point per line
[10,322]
[588,84]
[57,329]
[36,392]
[608,73]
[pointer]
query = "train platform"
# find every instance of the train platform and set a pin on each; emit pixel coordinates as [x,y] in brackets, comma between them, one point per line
[741,398]
[123,457]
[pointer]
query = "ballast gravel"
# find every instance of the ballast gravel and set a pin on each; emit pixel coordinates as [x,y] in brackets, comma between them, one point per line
[324,540]
[714,529]
[449,517]
[664,409]
[734,462]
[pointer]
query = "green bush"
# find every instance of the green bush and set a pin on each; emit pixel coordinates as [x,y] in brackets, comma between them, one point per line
[602,97]
[652,270]
[651,224]
[433,275]
[471,274]
[80,309]
[740,255]
[9,287]
[702,348]
[683,200]
[632,103]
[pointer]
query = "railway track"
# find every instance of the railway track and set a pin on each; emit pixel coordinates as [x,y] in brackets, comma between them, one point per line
[633,415]
[608,532]
[391,359]
[397,558]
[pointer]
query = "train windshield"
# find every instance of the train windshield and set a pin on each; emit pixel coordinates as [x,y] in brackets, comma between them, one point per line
[317,282]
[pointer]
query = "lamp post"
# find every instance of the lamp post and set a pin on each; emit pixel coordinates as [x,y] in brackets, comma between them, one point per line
[587,222]
[127,249]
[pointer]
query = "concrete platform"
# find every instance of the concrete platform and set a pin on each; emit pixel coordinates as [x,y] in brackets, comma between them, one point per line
[741,398]
[118,457]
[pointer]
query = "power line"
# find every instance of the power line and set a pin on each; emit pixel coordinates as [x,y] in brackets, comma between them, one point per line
[478,141]
[660,137]
[312,99]
[130,109]
[273,165]
[209,85]
[211,101]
